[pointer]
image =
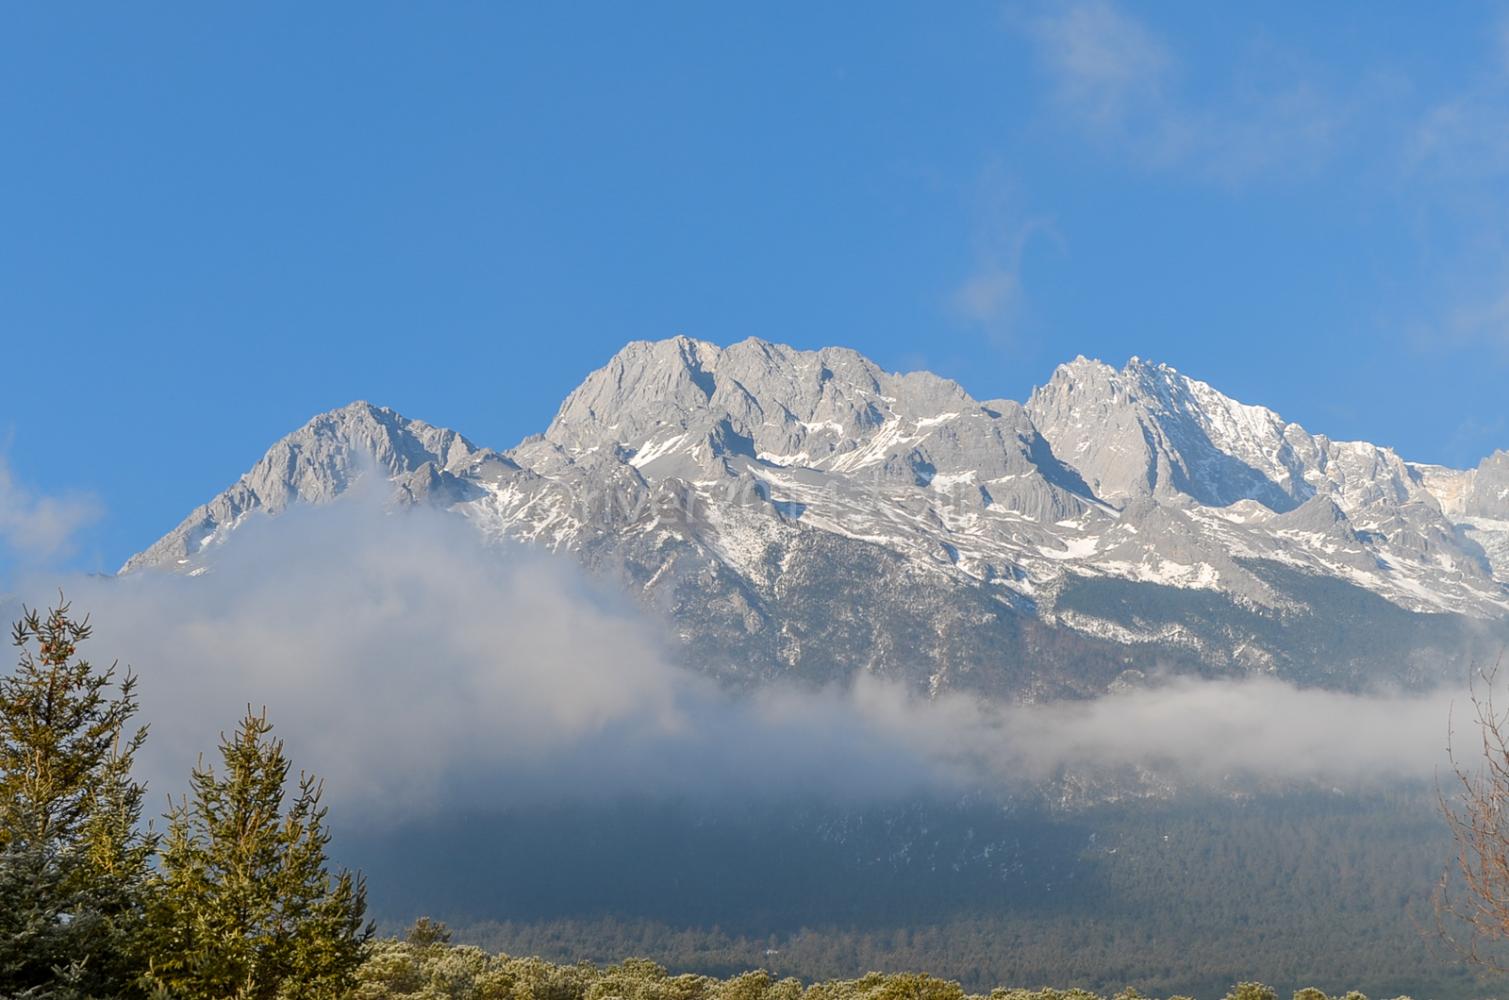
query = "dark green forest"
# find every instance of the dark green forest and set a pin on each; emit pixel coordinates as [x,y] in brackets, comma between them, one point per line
[1309,888]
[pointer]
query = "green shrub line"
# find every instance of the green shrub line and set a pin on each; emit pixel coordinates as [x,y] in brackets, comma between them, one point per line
[426,966]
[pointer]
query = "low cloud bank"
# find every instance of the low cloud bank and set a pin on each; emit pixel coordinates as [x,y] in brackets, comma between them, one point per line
[414,669]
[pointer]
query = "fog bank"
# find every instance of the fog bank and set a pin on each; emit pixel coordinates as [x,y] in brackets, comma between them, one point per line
[415,669]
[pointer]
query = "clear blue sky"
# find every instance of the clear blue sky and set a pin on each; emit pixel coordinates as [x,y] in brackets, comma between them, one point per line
[217,220]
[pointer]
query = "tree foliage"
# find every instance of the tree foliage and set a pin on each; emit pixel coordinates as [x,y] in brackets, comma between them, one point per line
[73,861]
[248,907]
[434,970]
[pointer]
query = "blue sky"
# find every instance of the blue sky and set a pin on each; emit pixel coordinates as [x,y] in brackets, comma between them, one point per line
[218,220]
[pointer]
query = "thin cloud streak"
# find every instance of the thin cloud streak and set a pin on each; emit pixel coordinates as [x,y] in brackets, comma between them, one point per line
[991,297]
[1457,154]
[1462,137]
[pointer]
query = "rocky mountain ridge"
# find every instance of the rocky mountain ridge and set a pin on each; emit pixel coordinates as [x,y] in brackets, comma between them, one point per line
[808,513]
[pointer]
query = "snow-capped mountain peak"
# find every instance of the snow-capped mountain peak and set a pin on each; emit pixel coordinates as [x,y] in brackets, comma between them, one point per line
[314,464]
[726,482]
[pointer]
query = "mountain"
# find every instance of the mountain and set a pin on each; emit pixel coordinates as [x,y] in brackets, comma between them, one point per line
[315,464]
[807,514]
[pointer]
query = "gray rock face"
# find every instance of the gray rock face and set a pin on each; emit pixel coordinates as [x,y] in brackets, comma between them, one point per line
[687,409]
[1487,494]
[807,514]
[314,464]
[1149,431]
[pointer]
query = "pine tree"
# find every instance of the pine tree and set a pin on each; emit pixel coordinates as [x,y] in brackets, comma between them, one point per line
[247,906]
[73,862]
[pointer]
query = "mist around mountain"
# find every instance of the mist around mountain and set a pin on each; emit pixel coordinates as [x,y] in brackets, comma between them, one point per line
[805,514]
[757,651]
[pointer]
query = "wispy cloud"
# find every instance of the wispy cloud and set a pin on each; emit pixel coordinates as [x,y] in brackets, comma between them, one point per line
[1464,136]
[990,298]
[1107,67]
[989,293]
[1440,160]
[1464,306]
[1119,82]
[1484,319]
[35,526]
[1456,161]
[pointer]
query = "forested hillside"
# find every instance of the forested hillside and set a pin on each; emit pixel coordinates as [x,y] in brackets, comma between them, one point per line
[1312,888]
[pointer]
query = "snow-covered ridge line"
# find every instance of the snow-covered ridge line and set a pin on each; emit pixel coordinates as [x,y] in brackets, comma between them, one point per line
[1139,473]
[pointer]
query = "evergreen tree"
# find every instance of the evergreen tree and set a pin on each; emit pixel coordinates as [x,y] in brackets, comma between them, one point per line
[247,906]
[425,932]
[1252,991]
[73,863]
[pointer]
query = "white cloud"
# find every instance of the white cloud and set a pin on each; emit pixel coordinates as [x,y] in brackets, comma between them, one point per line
[1119,82]
[34,526]
[409,665]
[414,668]
[1261,727]
[1105,65]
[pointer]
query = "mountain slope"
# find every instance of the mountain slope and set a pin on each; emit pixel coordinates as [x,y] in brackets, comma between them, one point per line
[314,464]
[807,514]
